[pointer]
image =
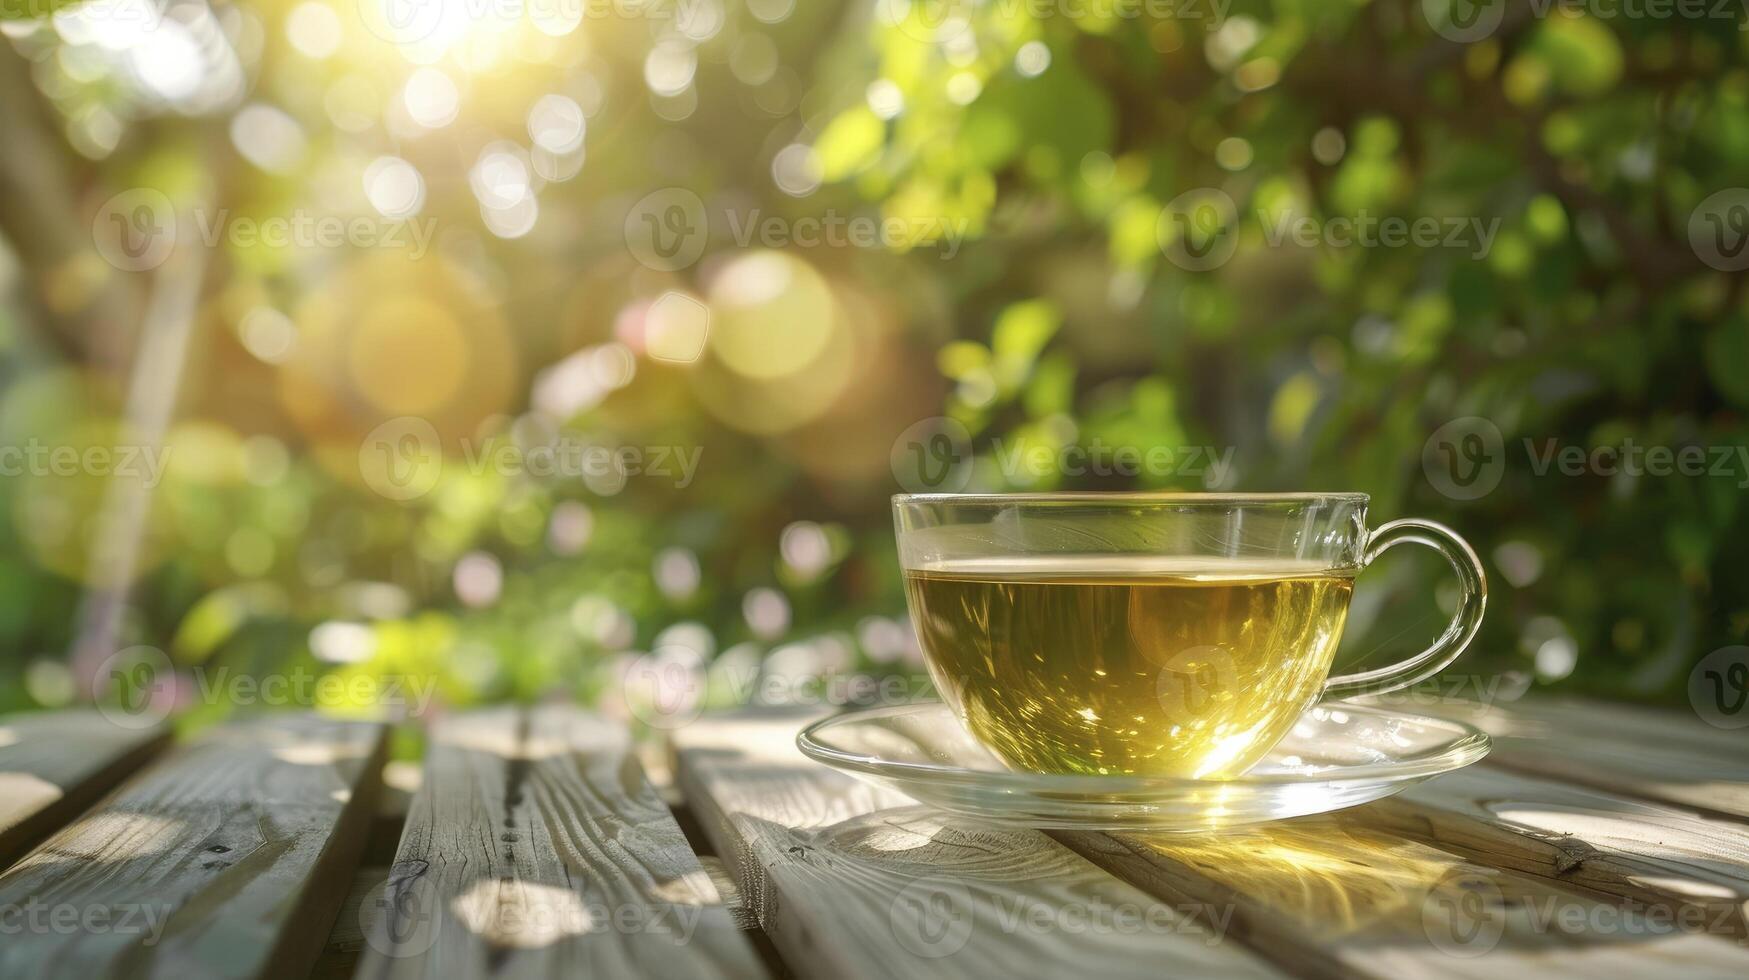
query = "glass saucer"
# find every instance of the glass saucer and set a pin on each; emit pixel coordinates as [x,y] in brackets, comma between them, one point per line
[1338,755]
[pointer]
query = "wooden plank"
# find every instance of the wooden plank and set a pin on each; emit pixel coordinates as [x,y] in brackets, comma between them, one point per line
[853,881]
[1330,896]
[1652,754]
[1597,841]
[720,877]
[400,782]
[56,764]
[535,847]
[227,859]
[358,914]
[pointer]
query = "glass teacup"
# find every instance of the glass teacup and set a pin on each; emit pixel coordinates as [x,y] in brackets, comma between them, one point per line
[1151,633]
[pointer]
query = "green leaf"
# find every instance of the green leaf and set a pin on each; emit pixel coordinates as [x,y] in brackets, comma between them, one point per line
[1020,333]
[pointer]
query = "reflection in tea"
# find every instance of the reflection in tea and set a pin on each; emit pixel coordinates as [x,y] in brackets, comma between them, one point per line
[1129,665]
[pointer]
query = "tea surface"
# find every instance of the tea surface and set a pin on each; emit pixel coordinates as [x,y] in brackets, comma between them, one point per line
[1110,665]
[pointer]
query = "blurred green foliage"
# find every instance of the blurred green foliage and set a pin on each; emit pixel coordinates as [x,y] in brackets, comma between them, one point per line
[1056,146]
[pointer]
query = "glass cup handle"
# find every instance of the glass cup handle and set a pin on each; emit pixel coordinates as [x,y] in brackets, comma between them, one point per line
[1464,623]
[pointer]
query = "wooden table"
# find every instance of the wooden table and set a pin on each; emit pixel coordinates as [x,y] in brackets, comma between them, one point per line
[1597,841]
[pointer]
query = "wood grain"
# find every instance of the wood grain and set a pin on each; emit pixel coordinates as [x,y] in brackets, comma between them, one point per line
[56,764]
[857,882]
[1598,841]
[400,782]
[535,847]
[1653,754]
[227,859]
[358,914]
[1331,896]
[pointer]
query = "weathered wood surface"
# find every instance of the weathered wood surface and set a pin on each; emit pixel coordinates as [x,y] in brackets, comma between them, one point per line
[1651,753]
[1332,896]
[359,912]
[54,765]
[400,782]
[229,858]
[1599,840]
[1609,844]
[852,881]
[535,847]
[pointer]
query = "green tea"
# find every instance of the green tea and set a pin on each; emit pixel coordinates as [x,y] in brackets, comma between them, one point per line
[1186,667]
